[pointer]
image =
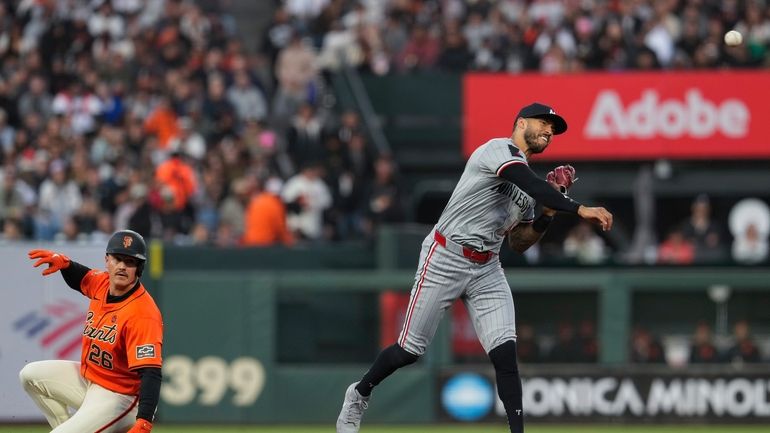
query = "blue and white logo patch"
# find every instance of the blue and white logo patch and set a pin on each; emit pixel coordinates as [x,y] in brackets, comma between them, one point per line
[145,351]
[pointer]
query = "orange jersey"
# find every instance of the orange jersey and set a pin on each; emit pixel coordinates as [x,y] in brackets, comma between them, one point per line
[119,337]
[265,223]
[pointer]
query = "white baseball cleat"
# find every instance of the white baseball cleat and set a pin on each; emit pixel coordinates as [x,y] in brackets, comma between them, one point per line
[352,411]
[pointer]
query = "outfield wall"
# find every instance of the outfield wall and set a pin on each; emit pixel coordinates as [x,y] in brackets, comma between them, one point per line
[281,344]
[231,356]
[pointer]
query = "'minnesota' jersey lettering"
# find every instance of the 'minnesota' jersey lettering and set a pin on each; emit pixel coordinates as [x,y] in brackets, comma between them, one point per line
[484,206]
[119,337]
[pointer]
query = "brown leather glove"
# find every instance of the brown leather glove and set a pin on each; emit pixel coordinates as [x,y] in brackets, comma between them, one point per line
[562,177]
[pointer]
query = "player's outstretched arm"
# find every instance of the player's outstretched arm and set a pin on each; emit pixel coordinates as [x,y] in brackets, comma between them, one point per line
[596,215]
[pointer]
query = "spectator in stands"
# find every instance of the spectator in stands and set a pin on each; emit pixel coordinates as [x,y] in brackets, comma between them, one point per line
[178,178]
[349,125]
[104,228]
[86,217]
[199,235]
[567,348]
[232,209]
[360,156]
[340,48]
[704,232]
[384,196]
[79,106]
[743,350]
[60,198]
[35,99]
[163,123]
[175,223]
[527,346]
[646,348]
[12,194]
[108,69]
[69,232]
[455,55]
[421,51]
[205,203]
[246,98]
[589,344]
[750,247]
[12,230]
[265,222]
[277,34]
[7,135]
[304,136]
[676,250]
[218,113]
[307,198]
[703,350]
[584,245]
[297,73]
[755,28]
[188,141]
[394,35]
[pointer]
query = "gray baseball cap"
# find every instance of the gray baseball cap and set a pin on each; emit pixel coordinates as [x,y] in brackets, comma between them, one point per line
[543,111]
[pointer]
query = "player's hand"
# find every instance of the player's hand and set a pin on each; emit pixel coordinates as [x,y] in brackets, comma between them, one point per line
[561,178]
[596,215]
[141,426]
[55,261]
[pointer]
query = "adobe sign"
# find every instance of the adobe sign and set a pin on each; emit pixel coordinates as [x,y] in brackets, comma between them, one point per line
[677,115]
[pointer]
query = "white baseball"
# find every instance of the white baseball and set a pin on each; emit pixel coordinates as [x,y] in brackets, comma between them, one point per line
[733,38]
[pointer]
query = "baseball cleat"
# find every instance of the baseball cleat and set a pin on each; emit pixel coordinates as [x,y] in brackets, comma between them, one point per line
[352,411]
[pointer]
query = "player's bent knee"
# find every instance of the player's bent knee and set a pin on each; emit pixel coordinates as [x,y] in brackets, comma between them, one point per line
[30,372]
[503,357]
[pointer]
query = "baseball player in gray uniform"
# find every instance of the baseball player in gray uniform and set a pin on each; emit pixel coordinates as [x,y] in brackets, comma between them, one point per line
[494,199]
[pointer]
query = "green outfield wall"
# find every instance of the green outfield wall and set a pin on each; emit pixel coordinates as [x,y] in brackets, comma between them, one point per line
[281,345]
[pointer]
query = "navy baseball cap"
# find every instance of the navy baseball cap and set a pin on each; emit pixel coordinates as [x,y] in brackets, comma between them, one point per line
[544,112]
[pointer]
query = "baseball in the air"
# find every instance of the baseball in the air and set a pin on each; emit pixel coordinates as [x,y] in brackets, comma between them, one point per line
[733,38]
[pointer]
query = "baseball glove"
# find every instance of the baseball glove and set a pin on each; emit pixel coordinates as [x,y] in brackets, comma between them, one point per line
[562,177]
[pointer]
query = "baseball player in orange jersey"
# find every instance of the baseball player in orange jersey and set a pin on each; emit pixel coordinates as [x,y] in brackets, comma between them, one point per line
[116,385]
[493,201]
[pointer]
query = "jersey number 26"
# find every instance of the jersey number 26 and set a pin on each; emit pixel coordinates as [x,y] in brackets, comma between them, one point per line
[100,357]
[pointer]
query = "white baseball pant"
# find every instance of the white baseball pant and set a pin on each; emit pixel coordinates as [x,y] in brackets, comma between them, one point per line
[56,387]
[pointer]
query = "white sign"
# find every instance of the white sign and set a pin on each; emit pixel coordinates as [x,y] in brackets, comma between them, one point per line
[40,318]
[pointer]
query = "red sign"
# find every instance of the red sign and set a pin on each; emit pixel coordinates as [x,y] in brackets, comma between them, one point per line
[676,115]
[393,307]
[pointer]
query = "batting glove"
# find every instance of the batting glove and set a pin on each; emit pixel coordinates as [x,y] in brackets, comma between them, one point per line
[141,426]
[55,261]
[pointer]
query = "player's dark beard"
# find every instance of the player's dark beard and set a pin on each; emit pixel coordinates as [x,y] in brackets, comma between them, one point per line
[533,144]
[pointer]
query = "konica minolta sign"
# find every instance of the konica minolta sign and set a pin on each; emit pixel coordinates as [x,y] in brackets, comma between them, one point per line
[666,396]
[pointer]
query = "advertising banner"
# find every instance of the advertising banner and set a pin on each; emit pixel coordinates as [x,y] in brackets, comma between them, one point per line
[593,395]
[629,116]
[40,318]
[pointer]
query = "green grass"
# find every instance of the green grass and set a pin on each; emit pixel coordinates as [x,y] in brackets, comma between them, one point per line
[485,428]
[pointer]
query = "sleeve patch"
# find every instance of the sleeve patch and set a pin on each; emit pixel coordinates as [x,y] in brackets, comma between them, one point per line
[145,351]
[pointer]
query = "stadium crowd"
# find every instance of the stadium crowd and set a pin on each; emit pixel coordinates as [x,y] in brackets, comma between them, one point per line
[154,116]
